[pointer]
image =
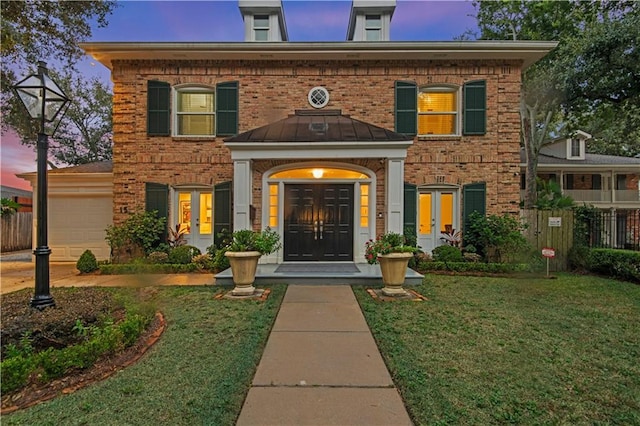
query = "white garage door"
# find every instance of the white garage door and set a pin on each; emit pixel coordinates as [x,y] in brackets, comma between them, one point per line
[77,224]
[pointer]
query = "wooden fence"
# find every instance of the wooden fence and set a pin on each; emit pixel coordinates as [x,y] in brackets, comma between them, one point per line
[551,229]
[17,231]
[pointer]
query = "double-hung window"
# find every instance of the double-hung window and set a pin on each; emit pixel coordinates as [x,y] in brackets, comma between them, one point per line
[438,111]
[373,27]
[195,112]
[261,27]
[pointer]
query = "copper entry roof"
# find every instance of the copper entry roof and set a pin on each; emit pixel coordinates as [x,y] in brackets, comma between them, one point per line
[319,126]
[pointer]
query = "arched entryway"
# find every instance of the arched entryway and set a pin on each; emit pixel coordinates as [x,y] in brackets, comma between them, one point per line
[323,211]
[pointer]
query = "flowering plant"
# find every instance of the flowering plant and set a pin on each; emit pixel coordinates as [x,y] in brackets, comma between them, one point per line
[390,242]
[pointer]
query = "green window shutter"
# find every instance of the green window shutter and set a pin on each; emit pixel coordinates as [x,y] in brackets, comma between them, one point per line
[158,110]
[227,108]
[406,108]
[410,211]
[223,210]
[474,116]
[474,199]
[157,198]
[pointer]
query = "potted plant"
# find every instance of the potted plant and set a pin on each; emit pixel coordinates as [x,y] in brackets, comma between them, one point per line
[243,252]
[393,254]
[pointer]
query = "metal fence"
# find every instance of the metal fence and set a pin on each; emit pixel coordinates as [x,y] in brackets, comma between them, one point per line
[612,229]
[17,231]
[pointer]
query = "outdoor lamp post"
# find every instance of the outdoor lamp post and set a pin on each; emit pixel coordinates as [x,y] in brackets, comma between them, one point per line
[44,100]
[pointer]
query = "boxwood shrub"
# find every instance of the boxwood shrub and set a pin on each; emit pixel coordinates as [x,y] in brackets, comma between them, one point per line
[623,264]
[490,268]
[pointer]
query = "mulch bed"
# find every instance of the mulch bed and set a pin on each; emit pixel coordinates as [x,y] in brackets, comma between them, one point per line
[74,380]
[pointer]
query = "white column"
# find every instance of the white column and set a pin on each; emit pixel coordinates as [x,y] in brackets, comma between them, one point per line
[242,190]
[394,184]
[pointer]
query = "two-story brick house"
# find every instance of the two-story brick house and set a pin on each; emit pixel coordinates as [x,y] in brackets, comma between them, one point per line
[329,144]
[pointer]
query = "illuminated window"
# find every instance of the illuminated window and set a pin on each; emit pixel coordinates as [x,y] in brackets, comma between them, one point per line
[425,213]
[273,205]
[438,111]
[319,173]
[184,211]
[205,213]
[195,112]
[446,212]
[364,206]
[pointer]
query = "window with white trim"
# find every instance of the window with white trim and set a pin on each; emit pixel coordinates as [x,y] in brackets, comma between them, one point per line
[438,110]
[575,148]
[373,27]
[195,111]
[261,28]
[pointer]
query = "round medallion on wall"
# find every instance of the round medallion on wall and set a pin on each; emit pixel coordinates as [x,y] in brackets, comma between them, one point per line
[318,97]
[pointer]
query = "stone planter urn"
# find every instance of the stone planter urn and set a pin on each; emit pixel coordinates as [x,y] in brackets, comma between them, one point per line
[243,269]
[394,268]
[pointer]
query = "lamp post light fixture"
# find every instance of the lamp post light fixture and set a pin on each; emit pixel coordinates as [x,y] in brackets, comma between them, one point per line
[46,101]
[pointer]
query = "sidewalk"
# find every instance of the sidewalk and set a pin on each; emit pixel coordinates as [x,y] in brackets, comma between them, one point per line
[17,271]
[321,366]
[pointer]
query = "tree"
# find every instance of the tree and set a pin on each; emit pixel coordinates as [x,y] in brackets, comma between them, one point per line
[51,30]
[557,92]
[85,132]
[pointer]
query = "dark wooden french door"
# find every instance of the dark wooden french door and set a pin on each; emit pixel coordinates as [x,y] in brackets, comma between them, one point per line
[318,222]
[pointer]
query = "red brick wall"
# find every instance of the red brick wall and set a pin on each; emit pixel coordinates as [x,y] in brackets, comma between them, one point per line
[271,91]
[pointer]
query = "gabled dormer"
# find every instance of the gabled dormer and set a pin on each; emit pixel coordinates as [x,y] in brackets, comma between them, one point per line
[263,20]
[370,20]
[571,148]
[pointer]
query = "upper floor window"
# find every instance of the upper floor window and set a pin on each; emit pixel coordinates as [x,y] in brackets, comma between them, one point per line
[438,111]
[261,27]
[575,147]
[195,111]
[373,27]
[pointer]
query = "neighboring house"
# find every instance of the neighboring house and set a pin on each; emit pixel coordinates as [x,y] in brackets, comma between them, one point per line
[328,143]
[20,196]
[608,182]
[80,206]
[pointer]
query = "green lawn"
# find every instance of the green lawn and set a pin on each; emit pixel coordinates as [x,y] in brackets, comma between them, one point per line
[507,350]
[198,373]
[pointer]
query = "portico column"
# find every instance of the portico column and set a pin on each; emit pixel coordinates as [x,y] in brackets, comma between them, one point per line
[394,184]
[242,190]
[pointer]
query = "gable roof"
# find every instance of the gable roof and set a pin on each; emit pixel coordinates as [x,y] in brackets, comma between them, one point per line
[313,126]
[589,160]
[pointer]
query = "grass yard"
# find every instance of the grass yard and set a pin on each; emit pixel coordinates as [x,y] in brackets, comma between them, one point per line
[514,350]
[198,373]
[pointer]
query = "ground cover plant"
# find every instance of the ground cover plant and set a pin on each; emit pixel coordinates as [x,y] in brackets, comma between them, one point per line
[198,372]
[513,350]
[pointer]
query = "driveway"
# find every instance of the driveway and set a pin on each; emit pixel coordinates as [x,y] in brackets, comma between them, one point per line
[17,271]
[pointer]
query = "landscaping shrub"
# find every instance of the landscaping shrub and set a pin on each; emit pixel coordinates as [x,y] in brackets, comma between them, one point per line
[87,262]
[158,257]
[623,264]
[447,253]
[143,230]
[203,261]
[497,238]
[481,267]
[146,268]
[183,254]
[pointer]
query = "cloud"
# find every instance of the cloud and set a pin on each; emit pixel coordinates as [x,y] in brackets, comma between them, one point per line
[15,158]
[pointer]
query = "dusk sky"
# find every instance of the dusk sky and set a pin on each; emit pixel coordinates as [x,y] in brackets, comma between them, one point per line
[184,21]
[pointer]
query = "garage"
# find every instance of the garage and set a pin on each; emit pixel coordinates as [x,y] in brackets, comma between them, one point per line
[80,209]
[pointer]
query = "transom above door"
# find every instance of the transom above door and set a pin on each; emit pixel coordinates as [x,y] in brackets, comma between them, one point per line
[318,222]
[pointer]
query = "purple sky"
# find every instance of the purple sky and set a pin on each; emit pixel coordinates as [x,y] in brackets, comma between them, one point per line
[213,21]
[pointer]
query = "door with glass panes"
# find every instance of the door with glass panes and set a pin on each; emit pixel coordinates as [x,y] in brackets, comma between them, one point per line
[194,216]
[437,215]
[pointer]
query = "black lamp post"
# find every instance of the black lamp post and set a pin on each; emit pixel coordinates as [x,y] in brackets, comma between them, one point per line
[44,100]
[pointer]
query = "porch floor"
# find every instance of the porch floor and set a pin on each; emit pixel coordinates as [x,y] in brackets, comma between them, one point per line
[324,273]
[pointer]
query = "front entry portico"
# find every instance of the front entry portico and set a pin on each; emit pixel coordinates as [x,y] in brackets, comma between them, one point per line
[320,217]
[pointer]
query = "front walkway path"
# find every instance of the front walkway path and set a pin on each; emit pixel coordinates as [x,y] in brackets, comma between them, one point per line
[321,366]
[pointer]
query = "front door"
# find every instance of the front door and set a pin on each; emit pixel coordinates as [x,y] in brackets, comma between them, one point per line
[437,214]
[194,216]
[318,223]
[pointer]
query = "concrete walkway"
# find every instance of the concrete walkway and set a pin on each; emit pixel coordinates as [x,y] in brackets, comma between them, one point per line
[321,366]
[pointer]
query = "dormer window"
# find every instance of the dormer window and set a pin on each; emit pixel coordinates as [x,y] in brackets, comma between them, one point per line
[261,27]
[575,147]
[373,27]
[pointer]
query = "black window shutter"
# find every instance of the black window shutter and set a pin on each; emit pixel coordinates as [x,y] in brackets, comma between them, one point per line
[157,198]
[596,182]
[158,110]
[474,199]
[406,108]
[227,108]
[223,210]
[474,116]
[410,210]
